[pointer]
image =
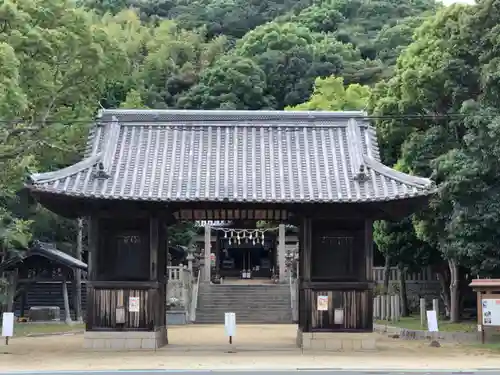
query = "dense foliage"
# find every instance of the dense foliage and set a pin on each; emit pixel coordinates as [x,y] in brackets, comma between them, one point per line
[429,74]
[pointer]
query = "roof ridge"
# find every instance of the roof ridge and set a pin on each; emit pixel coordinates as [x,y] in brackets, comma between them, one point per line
[112,133]
[229,113]
[404,178]
[232,123]
[44,177]
[356,150]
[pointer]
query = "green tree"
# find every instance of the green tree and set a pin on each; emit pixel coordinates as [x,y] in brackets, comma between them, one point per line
[53,60]
[232,83]
[330,94]
[399,244]
[437,77]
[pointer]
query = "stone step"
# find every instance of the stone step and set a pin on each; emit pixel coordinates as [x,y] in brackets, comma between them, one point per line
[247,292]
[243,313]
[252,304]
[235,306]
[249,320]
[245,319]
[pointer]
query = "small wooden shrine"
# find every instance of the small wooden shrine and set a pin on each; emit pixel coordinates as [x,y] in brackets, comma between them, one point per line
[42,262]
[144,169]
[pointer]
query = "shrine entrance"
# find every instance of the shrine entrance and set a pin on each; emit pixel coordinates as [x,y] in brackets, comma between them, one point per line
[147,169]
[245,253]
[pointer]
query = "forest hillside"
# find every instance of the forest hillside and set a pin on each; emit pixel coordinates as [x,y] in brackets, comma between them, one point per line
[427,75]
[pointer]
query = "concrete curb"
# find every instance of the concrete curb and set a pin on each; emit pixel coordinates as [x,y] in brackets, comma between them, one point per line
[79,332]
[413,334]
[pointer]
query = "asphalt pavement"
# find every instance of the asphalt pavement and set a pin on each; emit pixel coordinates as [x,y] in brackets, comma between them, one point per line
[261,372]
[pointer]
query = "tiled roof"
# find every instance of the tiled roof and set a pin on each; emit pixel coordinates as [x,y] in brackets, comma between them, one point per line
[45,250]
[232,156]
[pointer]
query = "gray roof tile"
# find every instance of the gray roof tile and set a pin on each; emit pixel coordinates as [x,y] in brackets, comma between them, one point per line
[235,156]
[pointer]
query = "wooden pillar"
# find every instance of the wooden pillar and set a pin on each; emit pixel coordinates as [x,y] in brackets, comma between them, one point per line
[207,267]
[281,252]
[93,246]
[162,269]
[153,248]
[217,252]
[369,249]
[78,274]
[305,293]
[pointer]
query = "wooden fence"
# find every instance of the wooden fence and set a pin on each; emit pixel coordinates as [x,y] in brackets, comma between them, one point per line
[424,275]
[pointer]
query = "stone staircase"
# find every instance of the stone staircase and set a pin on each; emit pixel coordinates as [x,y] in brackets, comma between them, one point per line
[252,303]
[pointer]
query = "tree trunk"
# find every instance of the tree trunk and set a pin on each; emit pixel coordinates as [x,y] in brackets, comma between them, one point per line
[11,289]
[387,274]
[405,311]
[78,274]
[67,312]
[442,271]
[454,292]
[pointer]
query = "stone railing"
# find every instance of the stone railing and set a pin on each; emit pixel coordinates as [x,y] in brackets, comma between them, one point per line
[180,284]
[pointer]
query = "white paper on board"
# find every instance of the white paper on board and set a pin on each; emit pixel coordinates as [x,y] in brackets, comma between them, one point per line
[230,323]
[8,324]
[432,323]
[322,303]
[338,316]
[491,311]
[133,304]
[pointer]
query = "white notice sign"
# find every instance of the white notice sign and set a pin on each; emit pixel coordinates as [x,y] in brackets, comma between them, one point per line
[7,324]
[338,316]
[230,323]
[322,303]
[432,322]
[491,312]
[133,304]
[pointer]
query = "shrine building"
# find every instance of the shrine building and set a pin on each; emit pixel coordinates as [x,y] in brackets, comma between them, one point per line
[143,170]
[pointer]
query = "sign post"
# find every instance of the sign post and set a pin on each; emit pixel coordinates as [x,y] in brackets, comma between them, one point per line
[432,326]
[230,325]
[490,314]
[488,306]
[7,326]
[432,323]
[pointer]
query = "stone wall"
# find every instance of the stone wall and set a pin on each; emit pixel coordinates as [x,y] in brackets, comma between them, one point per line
[125,340]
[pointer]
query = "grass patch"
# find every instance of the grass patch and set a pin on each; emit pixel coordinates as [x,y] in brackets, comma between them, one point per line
[444,325]
[489,346]
[27,329]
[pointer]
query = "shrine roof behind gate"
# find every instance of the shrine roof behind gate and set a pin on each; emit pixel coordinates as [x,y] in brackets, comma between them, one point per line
[232,156]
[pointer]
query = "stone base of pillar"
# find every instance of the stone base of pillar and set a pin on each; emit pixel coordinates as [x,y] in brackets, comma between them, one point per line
[125,340]
[336,341]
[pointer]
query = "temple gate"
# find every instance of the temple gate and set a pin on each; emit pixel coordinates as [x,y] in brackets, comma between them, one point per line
[145,169]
